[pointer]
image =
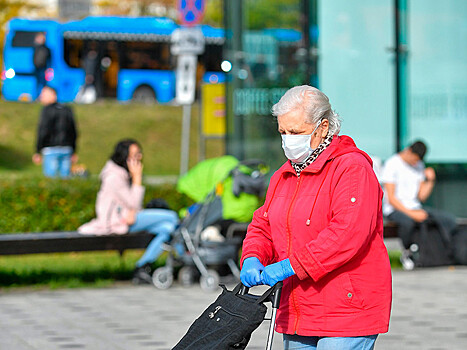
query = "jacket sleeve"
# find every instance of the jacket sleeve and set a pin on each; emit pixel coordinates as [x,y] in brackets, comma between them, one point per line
[354,208]
[258,241]
[73,132]
[131,196]
[42,129]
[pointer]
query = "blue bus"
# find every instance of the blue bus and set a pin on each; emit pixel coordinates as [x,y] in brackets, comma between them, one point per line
[133,57]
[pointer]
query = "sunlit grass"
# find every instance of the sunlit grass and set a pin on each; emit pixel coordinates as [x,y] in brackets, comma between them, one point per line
[100,127]
[70,270]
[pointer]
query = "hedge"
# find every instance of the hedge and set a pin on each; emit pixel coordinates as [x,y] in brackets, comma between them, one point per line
[41,205]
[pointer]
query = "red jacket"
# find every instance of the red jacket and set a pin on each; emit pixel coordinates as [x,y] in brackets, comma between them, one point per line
[329,223]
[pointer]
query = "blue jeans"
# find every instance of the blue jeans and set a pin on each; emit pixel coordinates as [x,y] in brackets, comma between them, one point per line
[159,222]
[57,161]
[295,342]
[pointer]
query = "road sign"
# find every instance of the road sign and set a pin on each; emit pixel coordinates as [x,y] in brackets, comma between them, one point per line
[186,79]
[191,12]
[187,41]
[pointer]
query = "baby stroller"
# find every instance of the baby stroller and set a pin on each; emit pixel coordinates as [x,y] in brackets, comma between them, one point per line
[226,192]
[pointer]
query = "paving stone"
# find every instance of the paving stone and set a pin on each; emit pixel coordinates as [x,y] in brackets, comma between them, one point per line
[429,312]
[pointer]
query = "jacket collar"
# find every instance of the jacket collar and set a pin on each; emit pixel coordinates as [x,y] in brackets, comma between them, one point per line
[339,145]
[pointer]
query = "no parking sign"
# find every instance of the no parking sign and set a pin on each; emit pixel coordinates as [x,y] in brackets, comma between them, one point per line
[191,12]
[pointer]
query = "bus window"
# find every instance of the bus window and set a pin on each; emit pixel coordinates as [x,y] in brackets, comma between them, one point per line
[73,52]
[145,55]
[211,59]
[23,39]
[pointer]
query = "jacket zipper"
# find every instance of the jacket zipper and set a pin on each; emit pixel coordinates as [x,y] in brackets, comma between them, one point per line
[289,248]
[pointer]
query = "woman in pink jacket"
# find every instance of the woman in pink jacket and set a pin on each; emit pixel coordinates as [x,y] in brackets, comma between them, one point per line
[119,206]
[321,232]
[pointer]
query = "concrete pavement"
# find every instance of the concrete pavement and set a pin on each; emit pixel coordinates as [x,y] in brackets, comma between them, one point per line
[429,313]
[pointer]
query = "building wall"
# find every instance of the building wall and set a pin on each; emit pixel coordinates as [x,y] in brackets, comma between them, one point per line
[354,48]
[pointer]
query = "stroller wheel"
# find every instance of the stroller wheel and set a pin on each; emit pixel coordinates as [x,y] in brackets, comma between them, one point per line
[162,278]
[209,282]
[186,276]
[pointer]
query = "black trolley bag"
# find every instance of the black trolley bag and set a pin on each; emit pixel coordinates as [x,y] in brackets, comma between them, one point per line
[227,324]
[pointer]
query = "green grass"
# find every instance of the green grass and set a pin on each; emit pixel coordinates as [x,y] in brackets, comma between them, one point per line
[100,127]
[58,270]
[73,270]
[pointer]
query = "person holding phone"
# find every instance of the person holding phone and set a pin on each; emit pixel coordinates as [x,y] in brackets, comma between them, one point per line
[119,206]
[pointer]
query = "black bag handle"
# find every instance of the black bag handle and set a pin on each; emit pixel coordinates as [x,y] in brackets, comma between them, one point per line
[273,294]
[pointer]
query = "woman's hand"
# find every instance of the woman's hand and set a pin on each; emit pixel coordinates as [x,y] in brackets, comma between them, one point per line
[277,272]
[251,272]
[130,217]
[135,167]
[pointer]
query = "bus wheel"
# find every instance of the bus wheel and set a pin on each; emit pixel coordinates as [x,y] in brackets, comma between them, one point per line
[144,94]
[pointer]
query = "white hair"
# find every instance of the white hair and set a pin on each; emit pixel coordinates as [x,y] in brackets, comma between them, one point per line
[313,102]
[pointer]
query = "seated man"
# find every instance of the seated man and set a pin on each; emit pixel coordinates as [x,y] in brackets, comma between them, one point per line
[407,183]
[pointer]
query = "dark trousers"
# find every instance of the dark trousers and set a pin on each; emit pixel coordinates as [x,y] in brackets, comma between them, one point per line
[40,80]
[407,226]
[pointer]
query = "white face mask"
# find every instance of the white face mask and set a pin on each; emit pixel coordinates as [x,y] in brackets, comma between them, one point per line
[297,148]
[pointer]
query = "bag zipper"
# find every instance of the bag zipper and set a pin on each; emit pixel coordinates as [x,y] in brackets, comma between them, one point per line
[218,308]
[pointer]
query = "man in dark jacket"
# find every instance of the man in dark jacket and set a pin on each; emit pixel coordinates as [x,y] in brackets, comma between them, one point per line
[41,60]
[56,136]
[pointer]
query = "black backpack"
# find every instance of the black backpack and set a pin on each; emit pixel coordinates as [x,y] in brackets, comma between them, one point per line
[459,244]
[41,56]
[432,246]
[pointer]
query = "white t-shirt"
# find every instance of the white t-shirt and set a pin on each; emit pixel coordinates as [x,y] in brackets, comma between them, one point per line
[407,180]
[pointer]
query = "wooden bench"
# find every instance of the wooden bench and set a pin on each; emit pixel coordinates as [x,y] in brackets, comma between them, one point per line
[60,242]
[390,228]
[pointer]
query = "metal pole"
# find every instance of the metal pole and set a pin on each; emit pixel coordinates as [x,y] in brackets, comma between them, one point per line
[271,329]
[305,19]
[201,136]
[401,51]
[185,145]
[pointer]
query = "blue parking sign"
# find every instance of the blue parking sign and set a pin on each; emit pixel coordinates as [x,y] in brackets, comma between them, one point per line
[191,12]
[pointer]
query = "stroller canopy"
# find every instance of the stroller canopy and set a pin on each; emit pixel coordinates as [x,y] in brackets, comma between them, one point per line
[217,175]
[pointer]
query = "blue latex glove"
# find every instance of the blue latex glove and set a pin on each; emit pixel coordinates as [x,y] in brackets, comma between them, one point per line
[251,272]
[277,272]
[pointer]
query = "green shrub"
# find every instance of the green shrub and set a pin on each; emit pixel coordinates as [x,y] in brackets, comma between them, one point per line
[39,205]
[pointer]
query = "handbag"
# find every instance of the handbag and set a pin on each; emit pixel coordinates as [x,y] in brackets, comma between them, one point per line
[227,324]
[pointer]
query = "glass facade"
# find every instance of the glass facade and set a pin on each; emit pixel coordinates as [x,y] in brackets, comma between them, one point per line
[270,52]
[356,70]
[437,37]
[394,70]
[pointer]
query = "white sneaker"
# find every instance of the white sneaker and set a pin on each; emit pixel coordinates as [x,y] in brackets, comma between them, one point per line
[406,261]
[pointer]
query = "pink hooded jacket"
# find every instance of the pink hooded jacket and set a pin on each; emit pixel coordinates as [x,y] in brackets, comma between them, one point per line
[114,199]
[329,223]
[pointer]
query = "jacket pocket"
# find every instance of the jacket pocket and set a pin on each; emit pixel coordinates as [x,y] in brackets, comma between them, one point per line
[352,296]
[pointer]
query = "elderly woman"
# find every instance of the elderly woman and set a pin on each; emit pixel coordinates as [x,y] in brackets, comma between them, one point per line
[321,232]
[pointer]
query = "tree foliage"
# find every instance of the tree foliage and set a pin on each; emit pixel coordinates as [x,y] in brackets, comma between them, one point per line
[164,8]
[262,14]
[214,13]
